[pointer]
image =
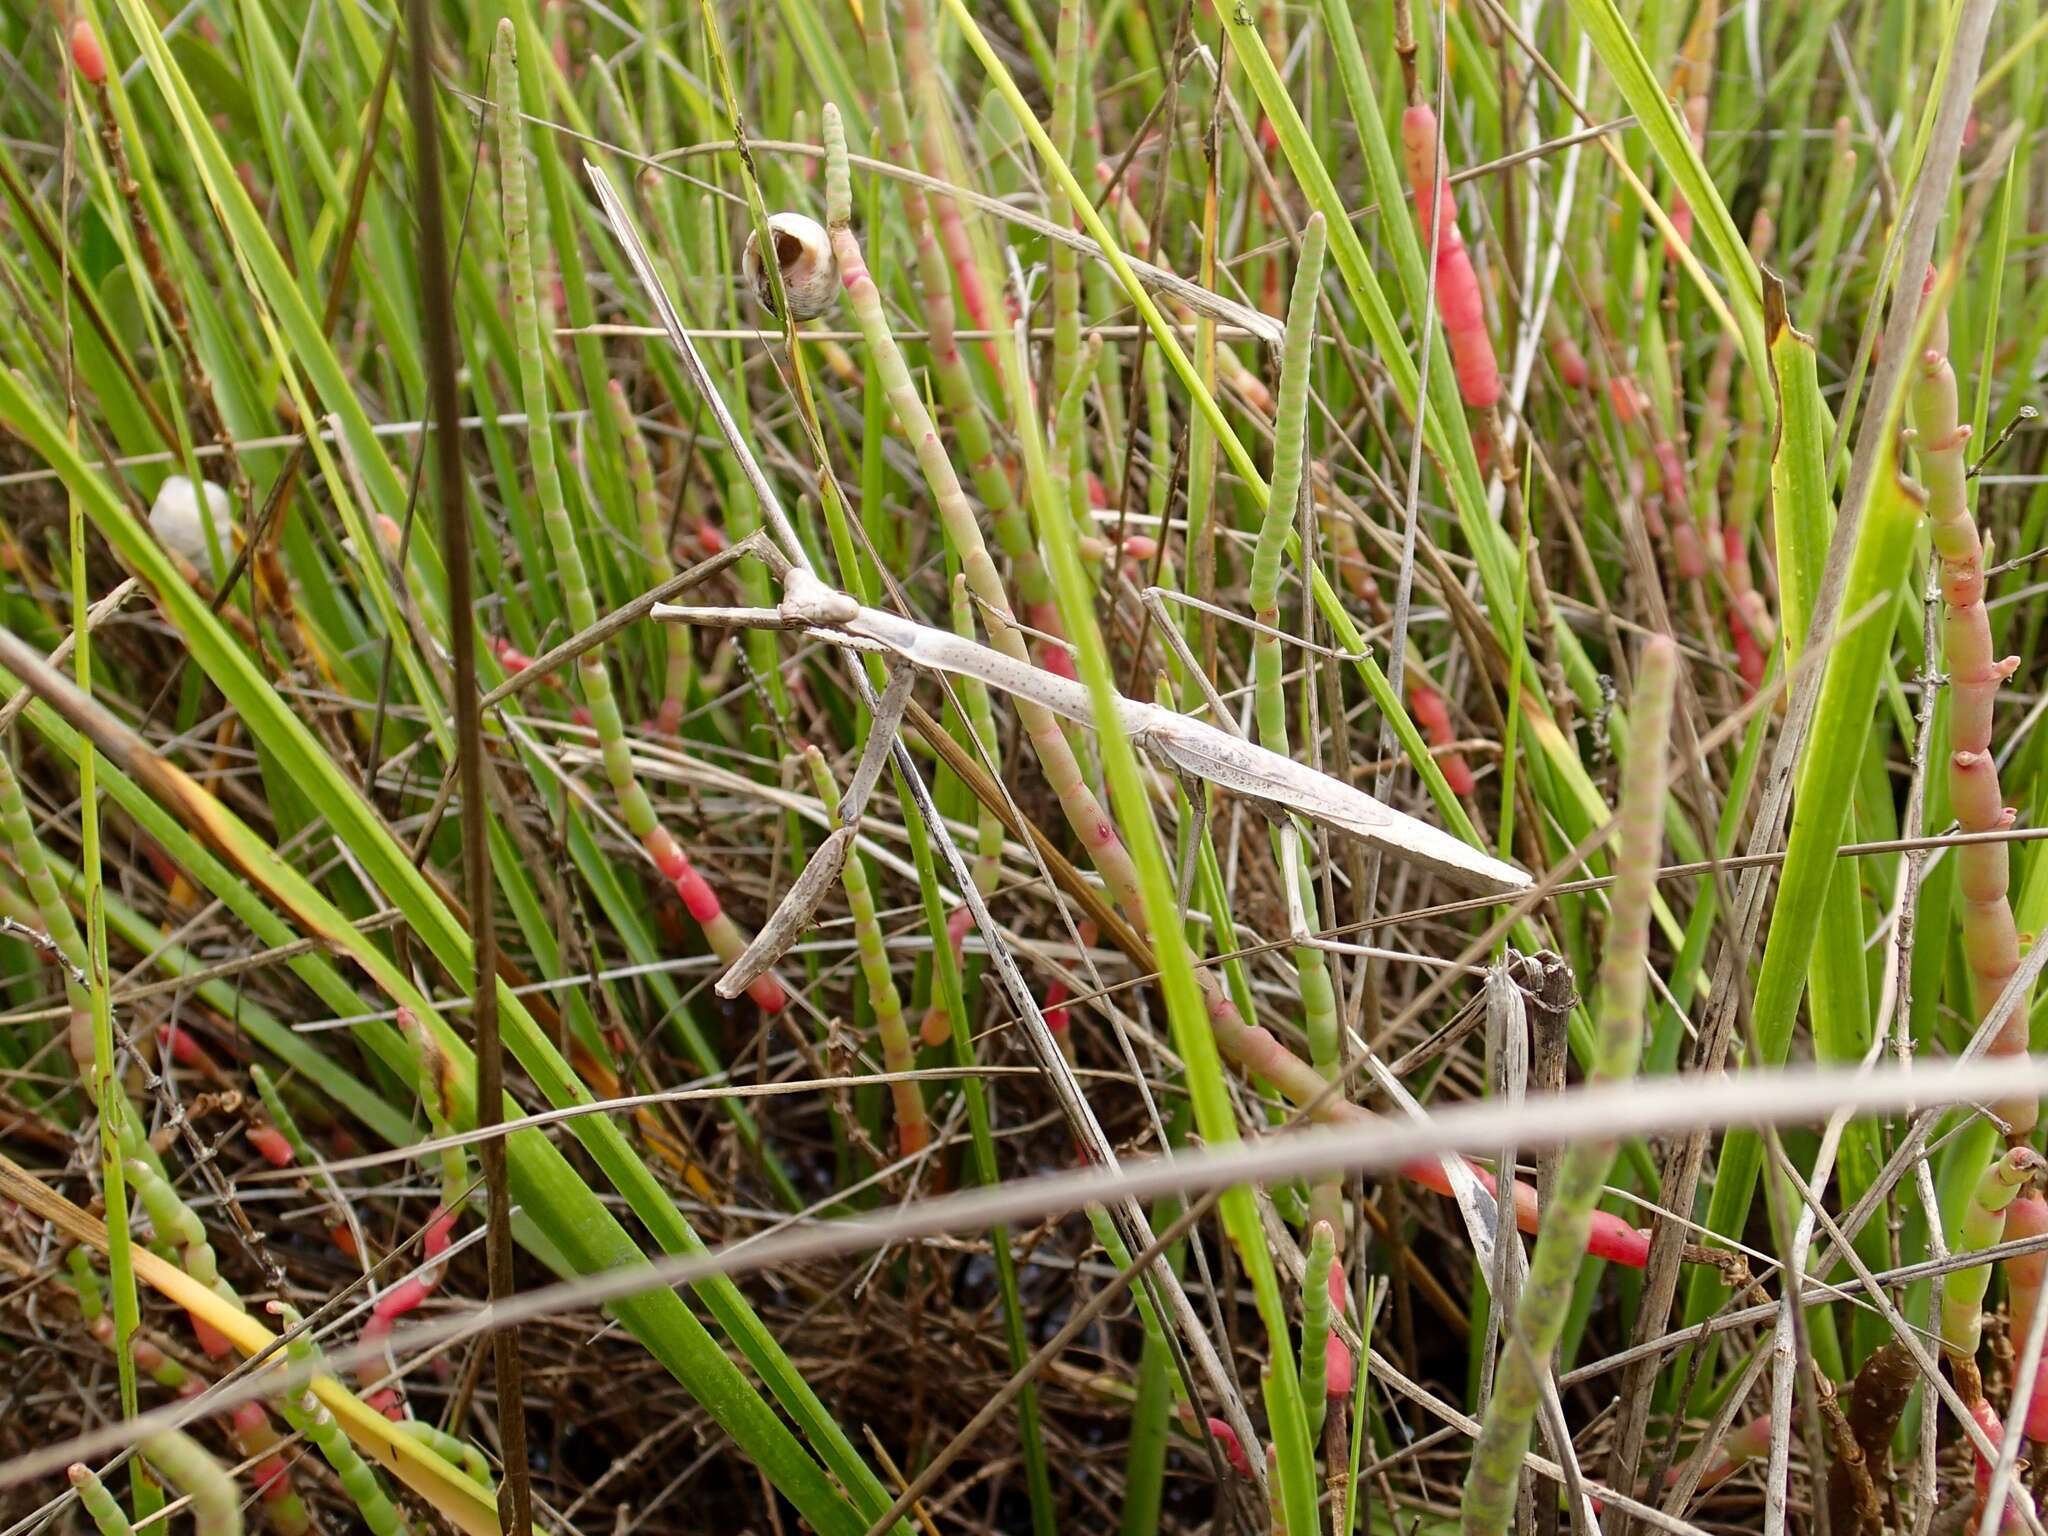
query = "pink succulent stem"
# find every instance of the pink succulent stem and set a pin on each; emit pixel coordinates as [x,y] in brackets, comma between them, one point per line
[1226,1437]
[406,1296]
[87,54]
[2017,1499]
[284,1511]
[271,1145]
[1339,1370]
[1458,300]
[1738,1450]
[1570,362]
[1990,940]
[2024,1276]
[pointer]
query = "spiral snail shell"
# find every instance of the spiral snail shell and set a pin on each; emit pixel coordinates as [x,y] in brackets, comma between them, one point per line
[803,251]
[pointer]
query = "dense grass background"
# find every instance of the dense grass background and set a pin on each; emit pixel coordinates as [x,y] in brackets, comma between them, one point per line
[1719,476]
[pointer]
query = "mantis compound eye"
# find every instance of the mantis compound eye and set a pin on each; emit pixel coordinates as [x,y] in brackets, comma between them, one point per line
[803,252]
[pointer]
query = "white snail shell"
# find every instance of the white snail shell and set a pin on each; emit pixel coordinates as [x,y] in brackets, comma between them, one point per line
[177,518]
[803,250]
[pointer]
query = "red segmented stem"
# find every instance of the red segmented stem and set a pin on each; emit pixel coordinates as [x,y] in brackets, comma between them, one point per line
[702,903]
[87,54]
[271,1145]
[937,1026]
[1680,212]
[2024,1276]
[2018,1502]
[1458,300]
[184,1048]
[1433,717]
[1254,1049]
[404,1297]
[1226,1437]
[258,1440]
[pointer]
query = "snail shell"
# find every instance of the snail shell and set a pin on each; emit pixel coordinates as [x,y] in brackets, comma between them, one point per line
[178,520]
[804,253]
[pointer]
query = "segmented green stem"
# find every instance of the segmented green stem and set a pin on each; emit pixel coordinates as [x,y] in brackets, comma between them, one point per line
[899,1054]
[17,829]
[725,937]
[1290,440]
[1983,1226]
[310,1418]
[453,1449]
[92,1306]
[190,1468]
[1991,942]
[1067,463]
[668,715]
[176,1222]
[1315,1325]
[147,1355]
[1490,1484]
[106,1512]
[1290,454]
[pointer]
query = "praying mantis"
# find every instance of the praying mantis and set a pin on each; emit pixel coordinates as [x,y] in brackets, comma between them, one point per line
[1191,747]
